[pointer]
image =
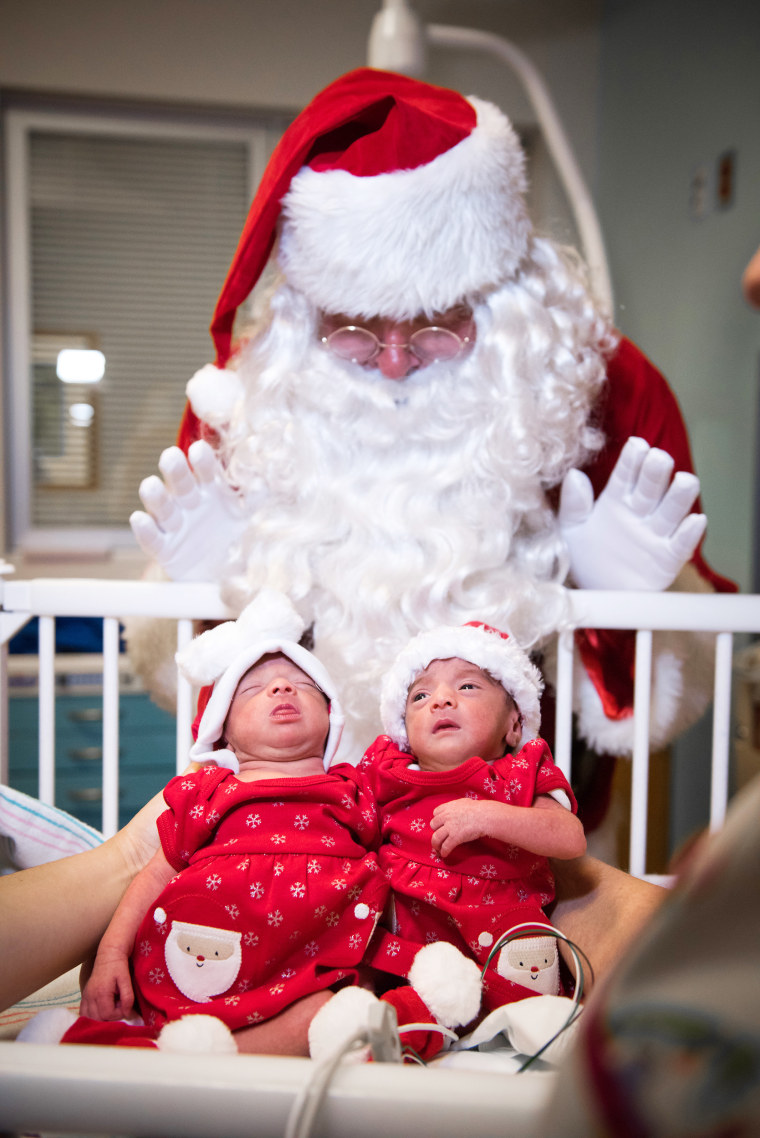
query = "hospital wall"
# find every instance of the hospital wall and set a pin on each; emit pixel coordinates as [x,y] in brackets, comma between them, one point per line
[679,95]
[679,89]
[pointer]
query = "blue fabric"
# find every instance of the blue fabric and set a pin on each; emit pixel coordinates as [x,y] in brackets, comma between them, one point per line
[72,634]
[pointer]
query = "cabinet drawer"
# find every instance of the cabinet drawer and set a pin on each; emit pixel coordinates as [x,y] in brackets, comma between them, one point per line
[80,718]
[83,796]
[146,751]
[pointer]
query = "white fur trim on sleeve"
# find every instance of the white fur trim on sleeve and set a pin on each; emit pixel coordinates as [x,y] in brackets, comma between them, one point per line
[683,671]
[682,680]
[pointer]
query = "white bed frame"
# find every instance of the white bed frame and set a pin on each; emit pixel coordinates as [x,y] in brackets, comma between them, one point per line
[103,1091]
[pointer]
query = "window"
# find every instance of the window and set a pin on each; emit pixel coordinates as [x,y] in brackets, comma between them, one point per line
[119,235]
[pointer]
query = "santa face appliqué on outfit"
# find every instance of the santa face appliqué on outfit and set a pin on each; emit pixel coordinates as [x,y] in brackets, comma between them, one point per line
[202,961]
[532,962]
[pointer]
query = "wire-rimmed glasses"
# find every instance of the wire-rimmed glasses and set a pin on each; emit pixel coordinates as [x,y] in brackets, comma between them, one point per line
[361,346]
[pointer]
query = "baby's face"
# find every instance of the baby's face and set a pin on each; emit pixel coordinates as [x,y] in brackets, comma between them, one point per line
[455,710]
[278,707]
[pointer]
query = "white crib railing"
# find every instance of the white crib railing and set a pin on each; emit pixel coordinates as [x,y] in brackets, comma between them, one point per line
[645,613]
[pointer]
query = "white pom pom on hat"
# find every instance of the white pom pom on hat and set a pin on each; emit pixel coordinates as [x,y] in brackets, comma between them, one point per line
[495,652]
[213,394]
[222,655]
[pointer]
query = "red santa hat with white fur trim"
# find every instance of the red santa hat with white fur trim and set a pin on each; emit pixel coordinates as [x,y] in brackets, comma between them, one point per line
[495,652]
[391,198]
[223,655]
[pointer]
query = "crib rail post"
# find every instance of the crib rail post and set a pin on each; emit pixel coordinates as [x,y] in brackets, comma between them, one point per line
[640,761]
[721,729]
[564,708]
[46,712]
[110,725]
[184,699]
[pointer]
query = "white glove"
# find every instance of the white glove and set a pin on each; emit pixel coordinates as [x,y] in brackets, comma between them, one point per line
[193,516]
[639,533]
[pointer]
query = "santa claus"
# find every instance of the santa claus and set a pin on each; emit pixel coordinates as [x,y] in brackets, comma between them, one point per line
[429,420]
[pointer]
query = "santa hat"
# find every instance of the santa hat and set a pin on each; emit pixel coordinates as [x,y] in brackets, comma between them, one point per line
[493,651]
[393,198]
[222,656]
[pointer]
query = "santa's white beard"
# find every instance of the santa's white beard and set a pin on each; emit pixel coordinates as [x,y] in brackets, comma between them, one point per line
[382,507]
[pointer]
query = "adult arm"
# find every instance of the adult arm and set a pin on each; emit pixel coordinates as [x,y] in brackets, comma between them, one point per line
[52,916]
[751,281]
[601,909]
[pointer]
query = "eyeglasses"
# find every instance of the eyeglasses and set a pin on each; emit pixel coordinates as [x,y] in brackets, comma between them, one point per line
[428,345]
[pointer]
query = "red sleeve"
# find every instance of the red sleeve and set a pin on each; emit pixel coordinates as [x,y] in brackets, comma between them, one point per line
[548,775]
[188,824]
[365,775]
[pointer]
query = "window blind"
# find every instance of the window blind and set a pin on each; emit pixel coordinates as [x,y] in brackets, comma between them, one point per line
[131,238]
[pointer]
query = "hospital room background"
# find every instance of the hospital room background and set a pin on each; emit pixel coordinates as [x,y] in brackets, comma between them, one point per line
[660,100]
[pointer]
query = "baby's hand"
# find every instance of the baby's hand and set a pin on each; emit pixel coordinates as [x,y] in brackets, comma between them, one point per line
[463,820]
[108,993]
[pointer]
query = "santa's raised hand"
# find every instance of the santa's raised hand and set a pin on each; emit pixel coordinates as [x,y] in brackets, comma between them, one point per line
[192,517]
[639,533]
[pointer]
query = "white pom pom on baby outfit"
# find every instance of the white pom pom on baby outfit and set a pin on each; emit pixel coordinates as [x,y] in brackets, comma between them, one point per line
[48,1026]
[197,1035]
[337,1021]
[448,982]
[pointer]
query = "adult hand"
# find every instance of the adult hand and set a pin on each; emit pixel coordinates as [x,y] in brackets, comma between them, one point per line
[639,532]
[193,516]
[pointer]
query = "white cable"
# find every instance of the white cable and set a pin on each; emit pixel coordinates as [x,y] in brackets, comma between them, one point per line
[445,1031]
[311,1096]
[380,1034]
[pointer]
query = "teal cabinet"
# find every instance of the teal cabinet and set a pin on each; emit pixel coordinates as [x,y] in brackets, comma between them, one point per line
[146,750]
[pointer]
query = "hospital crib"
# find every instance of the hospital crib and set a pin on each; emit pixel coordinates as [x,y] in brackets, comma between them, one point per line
[101,1091]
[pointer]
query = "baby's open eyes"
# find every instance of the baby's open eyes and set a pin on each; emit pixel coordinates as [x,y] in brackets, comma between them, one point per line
[423,693]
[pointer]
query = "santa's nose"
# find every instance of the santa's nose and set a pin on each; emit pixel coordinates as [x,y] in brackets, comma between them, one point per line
[395,361]
[534,968]
[200,959]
